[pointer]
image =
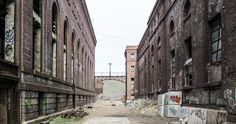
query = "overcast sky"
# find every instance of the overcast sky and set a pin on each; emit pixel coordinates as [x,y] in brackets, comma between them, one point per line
[117,23]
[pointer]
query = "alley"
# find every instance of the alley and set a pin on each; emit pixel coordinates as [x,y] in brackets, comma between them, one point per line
[114,112]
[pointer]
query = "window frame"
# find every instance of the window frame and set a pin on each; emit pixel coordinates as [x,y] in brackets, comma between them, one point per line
[218,40]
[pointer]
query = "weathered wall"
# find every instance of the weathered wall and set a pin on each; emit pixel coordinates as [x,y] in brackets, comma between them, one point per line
[203,82]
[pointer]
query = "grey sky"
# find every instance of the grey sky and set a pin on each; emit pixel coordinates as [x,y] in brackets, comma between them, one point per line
[117,23]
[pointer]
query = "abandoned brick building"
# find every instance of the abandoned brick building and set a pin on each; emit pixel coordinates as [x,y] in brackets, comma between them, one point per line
[47,52]
[189,46]
[130,57]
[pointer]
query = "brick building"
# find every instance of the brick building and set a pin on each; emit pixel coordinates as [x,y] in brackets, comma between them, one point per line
[189,47]
[130,56]
[47,58]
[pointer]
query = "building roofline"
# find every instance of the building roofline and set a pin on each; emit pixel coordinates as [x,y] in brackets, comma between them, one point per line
[85,8]
[153,11]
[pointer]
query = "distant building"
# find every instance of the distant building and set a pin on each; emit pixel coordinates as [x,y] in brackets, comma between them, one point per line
[47,58]
[130,55]
[189,47]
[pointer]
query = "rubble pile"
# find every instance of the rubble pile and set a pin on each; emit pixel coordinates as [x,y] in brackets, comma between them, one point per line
[144,106]
[77,113]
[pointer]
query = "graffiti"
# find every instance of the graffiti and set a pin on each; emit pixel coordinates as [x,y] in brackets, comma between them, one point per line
[172,110]
[9,41]
[176,99]
[184,111]
[10,36]
[220,102]
[8,50]
[221,117]
[199,113]
[229,99]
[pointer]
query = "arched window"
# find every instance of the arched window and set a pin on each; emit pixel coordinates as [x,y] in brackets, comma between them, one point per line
[187,6]
[65,50]
[172,26]
[37,24]
[54,39]
[72,57]
[7,14]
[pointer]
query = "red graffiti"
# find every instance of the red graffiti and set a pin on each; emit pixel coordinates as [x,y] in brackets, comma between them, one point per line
[176,99]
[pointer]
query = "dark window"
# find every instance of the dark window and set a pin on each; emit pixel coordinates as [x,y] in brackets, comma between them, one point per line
[173,67]
[172,26]
[37,7]
[216,42]
[187,6]
[72,57]
[132,79]
[3,13]
[152,50]
[188,48]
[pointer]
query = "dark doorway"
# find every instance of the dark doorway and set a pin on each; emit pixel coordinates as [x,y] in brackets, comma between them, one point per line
[7,106]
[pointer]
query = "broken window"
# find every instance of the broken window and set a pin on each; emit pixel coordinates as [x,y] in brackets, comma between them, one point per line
[54,40]
[173,67]
[216,44]
[7,13]
[37,18]
[187,6]
[188,48]
[65,50]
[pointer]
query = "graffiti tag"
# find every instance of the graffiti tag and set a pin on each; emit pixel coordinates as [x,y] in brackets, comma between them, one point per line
[229,99]
[9,41]
[199,113]
[172,110]
[221,117]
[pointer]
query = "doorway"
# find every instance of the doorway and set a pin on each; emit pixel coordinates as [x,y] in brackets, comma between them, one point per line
[7,106]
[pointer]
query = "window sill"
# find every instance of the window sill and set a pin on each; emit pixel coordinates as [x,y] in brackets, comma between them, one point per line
[7,62]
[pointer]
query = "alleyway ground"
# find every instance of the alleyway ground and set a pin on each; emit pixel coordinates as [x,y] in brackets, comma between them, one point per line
[104,113]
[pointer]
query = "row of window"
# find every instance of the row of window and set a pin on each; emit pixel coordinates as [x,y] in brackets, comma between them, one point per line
[7,8]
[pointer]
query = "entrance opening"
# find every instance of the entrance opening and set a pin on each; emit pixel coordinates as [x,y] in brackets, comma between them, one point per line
[113,90]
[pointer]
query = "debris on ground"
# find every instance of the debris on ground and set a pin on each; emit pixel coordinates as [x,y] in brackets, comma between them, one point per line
[71,116]
[90,107]
[144,106]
